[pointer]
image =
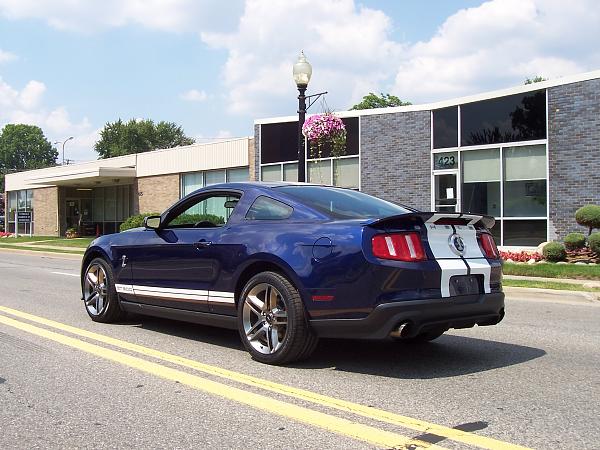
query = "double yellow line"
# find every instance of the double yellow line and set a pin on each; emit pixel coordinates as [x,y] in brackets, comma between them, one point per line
[339,425]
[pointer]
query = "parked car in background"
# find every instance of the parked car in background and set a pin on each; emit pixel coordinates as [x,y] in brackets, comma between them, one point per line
[285,264]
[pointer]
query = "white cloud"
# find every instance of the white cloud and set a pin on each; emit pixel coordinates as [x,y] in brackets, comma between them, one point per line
[92,15]
[26,106]
[349,48]
[6,56]
[500,44]
[194,95]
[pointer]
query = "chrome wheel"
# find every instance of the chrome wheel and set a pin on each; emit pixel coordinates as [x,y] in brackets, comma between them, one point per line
[95,291]
[264,318]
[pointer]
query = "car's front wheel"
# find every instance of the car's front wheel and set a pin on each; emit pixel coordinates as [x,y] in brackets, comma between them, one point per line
[99,294]
[272,321]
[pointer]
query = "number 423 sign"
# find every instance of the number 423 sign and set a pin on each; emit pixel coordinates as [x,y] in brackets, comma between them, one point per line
[444,161]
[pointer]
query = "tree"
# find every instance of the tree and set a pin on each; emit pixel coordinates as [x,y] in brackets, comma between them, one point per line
[588,216]
[24,147]
[536,79]
[137,136]
[371,101]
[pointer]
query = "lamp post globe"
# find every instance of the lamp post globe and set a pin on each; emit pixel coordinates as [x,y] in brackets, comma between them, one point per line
[302,72]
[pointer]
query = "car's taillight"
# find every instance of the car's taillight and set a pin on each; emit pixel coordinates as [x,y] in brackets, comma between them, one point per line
[488,246]
[398,246]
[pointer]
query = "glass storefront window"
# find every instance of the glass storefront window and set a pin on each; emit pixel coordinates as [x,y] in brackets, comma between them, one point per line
[319,172]
[191,182]
[240,174]
[525,181]
[214,177]
[524,232]
[445,127]
[345,172]
[481,182]
[271,173]
[290,172]
[519,117]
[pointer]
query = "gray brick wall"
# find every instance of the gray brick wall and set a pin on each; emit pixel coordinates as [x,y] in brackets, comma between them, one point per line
[256,168]
[395,157]
[573,153]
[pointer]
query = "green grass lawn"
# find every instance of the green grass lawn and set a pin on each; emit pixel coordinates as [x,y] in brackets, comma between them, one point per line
[26,239]
[548,285]
[42,249]
[78,242]
[550,270]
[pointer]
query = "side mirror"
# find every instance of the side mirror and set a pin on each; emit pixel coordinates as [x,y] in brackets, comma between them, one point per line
[152,222]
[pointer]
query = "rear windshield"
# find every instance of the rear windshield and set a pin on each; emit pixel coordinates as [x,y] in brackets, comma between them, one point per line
[343,203]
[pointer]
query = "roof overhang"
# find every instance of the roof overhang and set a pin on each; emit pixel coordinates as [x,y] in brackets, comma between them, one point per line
[97,176]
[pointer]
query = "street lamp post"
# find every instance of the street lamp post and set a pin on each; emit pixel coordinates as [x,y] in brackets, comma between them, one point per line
[302,73]
[63,147]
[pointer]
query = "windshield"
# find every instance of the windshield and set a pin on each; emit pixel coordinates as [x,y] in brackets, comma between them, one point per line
[343,203]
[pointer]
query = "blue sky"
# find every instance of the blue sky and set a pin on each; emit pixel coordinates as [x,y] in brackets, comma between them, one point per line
[214,66]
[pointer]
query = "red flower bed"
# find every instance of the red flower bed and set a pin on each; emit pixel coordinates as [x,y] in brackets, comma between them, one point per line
[520,256]
[4,234]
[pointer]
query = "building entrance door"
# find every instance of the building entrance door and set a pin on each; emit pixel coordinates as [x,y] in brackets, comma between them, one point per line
[446,193]
[73,213]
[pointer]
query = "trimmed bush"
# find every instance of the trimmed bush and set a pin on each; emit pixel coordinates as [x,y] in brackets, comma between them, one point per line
[191,219]
[588,216]
[594,241]
[574,241]
[135,221]
[554,252]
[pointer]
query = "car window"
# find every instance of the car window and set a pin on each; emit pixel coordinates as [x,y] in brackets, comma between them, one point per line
[343,203]
[266,208]
[206,212]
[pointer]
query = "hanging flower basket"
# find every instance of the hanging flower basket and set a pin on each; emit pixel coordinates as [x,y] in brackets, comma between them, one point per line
[325,130]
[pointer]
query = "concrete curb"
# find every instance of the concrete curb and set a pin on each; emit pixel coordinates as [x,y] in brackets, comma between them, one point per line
[72,256]
[553,295]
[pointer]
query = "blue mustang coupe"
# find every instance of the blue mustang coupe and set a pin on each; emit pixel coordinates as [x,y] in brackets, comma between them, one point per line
[285,264]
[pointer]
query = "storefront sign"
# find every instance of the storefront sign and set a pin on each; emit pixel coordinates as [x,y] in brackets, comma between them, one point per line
[24,216]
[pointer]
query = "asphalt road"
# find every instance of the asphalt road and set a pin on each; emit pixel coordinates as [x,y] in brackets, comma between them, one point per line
[532,381]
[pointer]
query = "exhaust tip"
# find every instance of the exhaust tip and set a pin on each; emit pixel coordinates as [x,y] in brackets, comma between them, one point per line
[400,331]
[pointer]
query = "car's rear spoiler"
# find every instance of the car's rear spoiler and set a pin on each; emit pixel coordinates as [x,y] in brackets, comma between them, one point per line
[437,218]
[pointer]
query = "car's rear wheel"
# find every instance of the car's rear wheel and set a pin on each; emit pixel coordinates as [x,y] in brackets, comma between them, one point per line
[99,294]
[272,321]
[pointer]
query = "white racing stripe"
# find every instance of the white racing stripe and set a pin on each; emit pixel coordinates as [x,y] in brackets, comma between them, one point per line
[450,263]
[181,294]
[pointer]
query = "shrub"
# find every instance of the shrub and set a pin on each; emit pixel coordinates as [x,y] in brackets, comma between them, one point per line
[594,241]
[554,252]
[195,218]
[574,241]
[588,216]
[135,221]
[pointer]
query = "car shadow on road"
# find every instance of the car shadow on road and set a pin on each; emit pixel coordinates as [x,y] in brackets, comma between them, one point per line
[447,356]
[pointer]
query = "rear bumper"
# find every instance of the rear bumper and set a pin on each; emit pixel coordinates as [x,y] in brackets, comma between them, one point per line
[454,312]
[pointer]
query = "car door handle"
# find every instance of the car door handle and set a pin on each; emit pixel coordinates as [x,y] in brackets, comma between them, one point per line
[202,244]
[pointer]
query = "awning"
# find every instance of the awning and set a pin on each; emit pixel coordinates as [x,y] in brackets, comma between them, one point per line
[89,177]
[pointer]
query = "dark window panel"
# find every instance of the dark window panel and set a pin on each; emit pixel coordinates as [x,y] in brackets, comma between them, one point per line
[519,117]
[445,127]
[279,141]
[481,198]
[524,232]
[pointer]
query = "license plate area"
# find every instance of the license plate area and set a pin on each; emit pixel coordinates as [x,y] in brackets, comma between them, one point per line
[466,285]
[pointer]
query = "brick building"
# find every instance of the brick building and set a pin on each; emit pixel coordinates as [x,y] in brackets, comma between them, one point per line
[528,155]
[96,197]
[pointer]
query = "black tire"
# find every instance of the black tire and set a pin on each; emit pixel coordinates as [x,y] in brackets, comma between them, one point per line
[294,341]
[110,309]
[421,338]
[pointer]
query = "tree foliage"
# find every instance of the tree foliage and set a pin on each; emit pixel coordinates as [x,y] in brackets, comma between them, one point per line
[372,100]
[536,79]
[137,136]
[588,216]
[24,147]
